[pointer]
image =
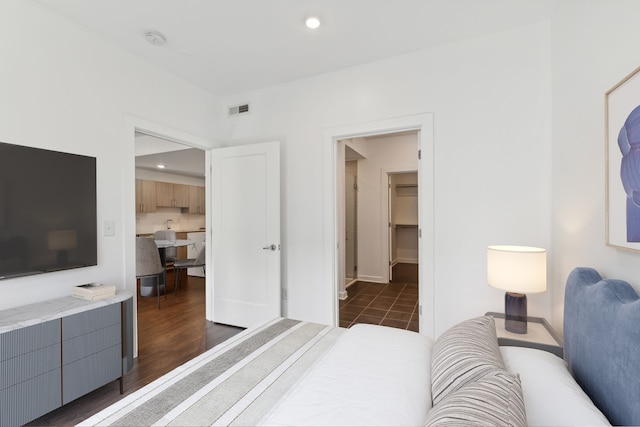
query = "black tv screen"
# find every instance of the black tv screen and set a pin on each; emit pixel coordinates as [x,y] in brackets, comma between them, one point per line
[48,219]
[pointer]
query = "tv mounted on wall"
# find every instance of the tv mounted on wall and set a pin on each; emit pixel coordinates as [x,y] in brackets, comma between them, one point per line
[48,217]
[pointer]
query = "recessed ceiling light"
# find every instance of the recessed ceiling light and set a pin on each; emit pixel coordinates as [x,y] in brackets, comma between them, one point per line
[161,166]
[312,22]
[155,38]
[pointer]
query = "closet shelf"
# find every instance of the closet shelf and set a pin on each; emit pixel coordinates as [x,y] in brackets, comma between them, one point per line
[404,190]
[406,225]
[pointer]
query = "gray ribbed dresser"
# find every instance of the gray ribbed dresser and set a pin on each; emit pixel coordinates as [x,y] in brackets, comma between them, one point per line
[55,351]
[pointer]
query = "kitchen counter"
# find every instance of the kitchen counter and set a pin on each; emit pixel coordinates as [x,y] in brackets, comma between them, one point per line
[150,233]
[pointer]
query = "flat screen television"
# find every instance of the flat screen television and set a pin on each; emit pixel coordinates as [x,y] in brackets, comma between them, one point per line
[48,217]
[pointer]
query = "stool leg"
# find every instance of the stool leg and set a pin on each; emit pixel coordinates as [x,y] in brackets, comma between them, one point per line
[158,290]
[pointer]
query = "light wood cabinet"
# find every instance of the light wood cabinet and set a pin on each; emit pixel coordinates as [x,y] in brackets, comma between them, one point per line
[172,195]
[181,195]
[145,196]
[196,200]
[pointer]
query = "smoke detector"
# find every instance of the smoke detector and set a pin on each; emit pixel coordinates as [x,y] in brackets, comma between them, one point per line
[155,38]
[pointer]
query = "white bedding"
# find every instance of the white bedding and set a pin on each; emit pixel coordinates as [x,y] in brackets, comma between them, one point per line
[401,368]
[403,360]
[288,372]
[551,395]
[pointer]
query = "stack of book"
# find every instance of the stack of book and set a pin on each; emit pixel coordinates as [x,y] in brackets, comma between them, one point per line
[93,291]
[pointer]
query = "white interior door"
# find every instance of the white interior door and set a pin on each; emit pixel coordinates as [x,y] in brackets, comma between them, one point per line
[390,227]
[246,234]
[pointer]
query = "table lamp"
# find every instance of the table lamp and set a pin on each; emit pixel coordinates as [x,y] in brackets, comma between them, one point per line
[517,270]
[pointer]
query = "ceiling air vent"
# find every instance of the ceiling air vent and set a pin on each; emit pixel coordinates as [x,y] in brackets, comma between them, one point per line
[238,110]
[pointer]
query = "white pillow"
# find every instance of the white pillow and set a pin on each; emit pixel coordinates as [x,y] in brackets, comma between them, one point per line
[551,395]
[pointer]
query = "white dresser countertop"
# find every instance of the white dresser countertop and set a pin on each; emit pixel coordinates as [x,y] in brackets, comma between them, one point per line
[40,312]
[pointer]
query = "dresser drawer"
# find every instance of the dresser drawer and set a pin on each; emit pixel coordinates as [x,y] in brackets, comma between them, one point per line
[21,368]
[89,321]
[86,374]
[30,399]
[24,340]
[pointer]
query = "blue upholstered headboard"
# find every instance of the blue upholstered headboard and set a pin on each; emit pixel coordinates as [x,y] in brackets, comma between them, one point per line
[602,343]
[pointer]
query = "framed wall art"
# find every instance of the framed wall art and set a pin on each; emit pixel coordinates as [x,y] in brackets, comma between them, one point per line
[622,129]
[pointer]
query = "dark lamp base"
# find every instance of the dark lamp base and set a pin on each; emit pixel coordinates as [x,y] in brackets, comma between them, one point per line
[515,310]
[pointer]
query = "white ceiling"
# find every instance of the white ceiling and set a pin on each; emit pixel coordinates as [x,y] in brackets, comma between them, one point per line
[231,46]
[178,159]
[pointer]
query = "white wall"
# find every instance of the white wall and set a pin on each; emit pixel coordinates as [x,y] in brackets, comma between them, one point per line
[66,89]
[490,98]
[385,153]
[595,45]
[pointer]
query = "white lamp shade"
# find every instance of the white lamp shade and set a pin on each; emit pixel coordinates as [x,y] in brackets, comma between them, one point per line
[520,269]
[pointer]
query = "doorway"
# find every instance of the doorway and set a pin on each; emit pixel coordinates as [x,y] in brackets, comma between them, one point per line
[135,128]
[403,226]
[422,126]
[170,199]
[380,216]
[351,222]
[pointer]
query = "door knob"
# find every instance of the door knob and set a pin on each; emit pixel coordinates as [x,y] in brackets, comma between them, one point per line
[271,247]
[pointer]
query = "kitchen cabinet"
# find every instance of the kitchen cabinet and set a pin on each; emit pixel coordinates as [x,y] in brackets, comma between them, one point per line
[172,195]
[196,200]
[145,196]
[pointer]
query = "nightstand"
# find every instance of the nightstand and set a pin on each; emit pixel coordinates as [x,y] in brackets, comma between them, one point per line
[539,335]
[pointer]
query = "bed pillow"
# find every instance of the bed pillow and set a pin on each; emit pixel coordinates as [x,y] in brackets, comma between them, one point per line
[551,395]
[464,354]
[493,400]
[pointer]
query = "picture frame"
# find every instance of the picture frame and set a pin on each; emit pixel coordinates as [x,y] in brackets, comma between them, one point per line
[622,154]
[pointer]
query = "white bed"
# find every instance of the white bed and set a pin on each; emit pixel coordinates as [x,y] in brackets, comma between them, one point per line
[288,372]
[351,387]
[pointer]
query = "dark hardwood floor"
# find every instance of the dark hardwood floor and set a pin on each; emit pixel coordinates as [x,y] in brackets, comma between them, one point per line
[167,338]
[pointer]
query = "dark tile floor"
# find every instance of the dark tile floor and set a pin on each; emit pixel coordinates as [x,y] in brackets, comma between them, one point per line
[394,304]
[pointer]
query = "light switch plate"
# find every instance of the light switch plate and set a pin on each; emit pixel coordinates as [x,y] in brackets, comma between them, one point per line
[109,228]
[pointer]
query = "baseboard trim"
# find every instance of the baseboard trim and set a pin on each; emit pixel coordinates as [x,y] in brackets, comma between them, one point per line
[374,279]
[406,261]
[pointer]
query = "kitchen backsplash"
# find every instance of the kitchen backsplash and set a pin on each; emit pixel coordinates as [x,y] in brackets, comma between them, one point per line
[147,223]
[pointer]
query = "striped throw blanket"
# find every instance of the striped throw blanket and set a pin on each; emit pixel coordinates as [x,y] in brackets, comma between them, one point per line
[234,383]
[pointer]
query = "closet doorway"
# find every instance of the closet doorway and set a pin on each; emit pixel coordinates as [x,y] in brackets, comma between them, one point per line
[403,226]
